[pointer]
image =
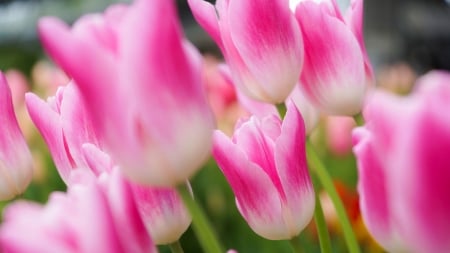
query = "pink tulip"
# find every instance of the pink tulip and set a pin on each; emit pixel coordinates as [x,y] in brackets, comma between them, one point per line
[16,168]
[75,145]
[261,41]
[337,72]
[265,164]
[96,216]
[141,81]
[339,134]
[404,170]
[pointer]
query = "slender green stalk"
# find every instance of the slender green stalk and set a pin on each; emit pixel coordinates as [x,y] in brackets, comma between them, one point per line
[200,224]
[296,245]
[175,247]
[322,229]
[327,183]
[359,119]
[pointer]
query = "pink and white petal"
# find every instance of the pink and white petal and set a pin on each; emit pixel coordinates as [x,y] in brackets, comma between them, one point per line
[257,198]
[76,123]
[49,125]
[269,42]
[258,148]
[163,213]
[290,159]
[309,112]
[127,220]
[206,16]
[96,160]
[354,19]
[15,157]
[333,74]
[81,60]
[374,193]
[254,107]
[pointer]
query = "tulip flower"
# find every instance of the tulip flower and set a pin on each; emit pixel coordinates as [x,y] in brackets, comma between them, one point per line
[96,216]
[16,168]
[402,155]
[75,145]
[141,81]
[336,73]
[260,40]
[265,165]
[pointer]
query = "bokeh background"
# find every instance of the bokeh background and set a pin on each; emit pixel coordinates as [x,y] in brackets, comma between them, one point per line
[404,39]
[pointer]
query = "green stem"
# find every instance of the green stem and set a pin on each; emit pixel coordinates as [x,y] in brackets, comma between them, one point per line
[175,247]
[322,229]
[200,223]
[327,183]
[296,245]
[359,119]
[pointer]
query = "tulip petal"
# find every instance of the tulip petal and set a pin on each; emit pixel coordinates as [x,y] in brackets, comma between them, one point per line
[206,16]
[257,198]
[290,158]
[49,125]
[333,75]
[262,30]
[15,157]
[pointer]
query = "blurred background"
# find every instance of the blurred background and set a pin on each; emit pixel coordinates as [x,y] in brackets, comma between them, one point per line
[404,39]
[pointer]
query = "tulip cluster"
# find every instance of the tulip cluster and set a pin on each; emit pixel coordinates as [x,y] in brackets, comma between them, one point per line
[134,125]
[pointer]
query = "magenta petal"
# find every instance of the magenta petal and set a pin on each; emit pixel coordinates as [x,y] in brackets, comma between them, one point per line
[290,158]
[49,125]
[257,198]
[269,42]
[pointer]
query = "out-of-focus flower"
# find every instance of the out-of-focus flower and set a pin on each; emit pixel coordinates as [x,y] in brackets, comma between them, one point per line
[16,170]
[19,86]
[96,216]
[265,164]
[339,134]
[261,42]
[404,169]
[75,145]
[336,73]
[398,78]
[142,85]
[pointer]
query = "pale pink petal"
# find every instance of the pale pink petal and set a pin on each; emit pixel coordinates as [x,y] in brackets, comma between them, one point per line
[373,192]
[96,160]
[15,158]
[206,16]
[49,125]
[259,147]
[309,112]
[333,75]
[76,124]
[163,213]
[127,221]
[257,198]
[269,42]
[290,159]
